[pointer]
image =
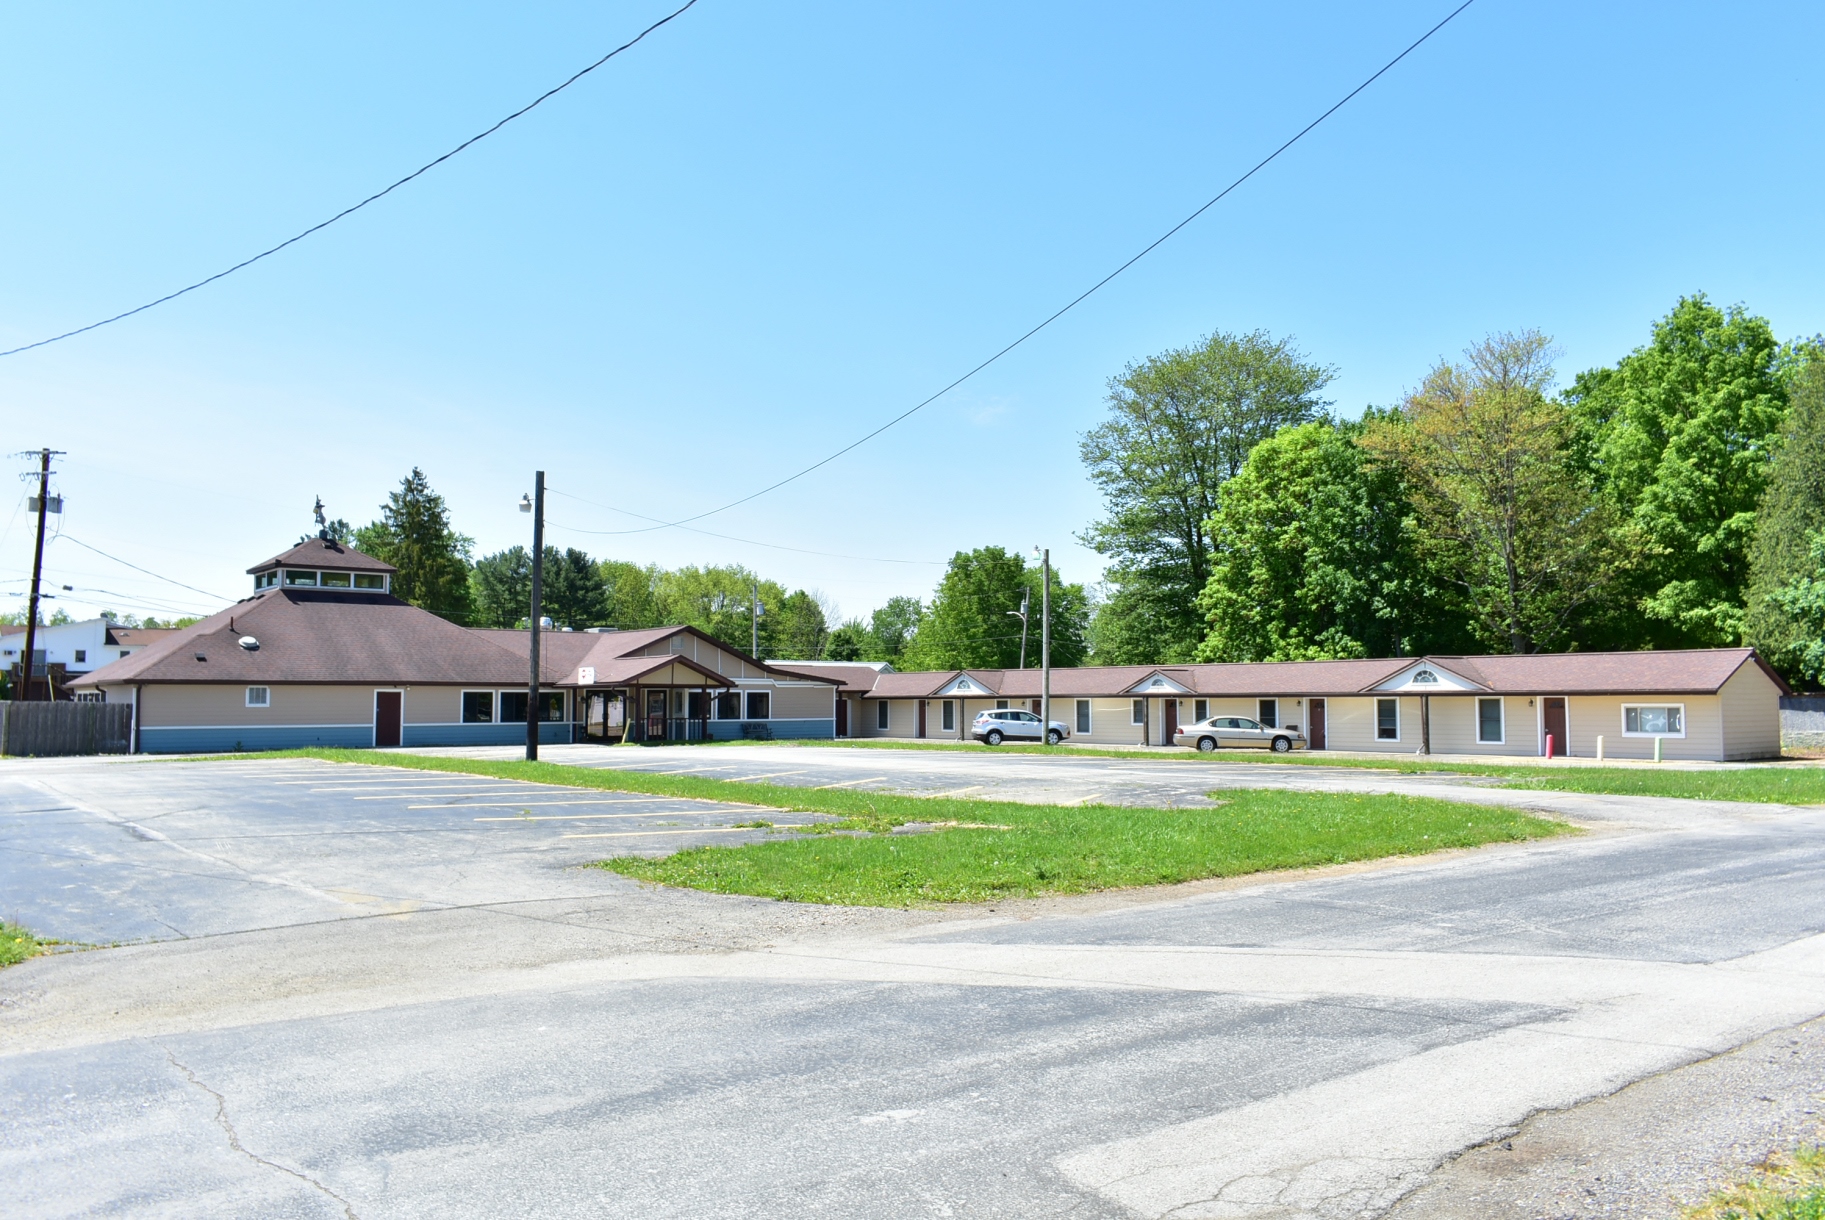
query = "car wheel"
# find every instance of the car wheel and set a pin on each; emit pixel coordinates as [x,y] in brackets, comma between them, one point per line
[1206,744]
[1053,737]
[1282,745]
[993,737]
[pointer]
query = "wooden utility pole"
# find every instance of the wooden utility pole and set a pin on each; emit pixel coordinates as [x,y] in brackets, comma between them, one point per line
[31,614]
[538,608]
[1045,648]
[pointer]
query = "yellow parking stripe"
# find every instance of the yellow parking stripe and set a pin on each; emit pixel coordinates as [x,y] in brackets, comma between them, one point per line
[850,782]
[705,830]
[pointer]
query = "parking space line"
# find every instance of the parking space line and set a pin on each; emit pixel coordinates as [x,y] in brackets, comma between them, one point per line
[749,779]
[618,800]
[849,783]
[583,817]
[956,792]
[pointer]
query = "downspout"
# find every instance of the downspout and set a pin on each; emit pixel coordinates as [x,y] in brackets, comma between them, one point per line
[133,733]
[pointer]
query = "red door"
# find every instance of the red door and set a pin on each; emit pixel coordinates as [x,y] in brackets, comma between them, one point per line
[1172,722]
[842,716]
[1314,731]
[921,717]
[1552,716]
[389,711]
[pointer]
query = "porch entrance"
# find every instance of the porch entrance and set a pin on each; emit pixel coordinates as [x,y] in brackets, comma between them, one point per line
[604,715]
[655,715]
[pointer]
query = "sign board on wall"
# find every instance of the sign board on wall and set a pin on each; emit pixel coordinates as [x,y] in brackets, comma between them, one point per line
[586,675]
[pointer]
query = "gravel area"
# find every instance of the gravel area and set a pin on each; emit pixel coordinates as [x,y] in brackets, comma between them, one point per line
[1647,1151]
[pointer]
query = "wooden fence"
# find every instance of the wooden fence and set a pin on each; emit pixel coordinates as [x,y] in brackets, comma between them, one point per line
[65,728]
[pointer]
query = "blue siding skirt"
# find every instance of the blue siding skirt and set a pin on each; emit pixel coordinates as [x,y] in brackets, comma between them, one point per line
[554,731]
[818,730]
[232,739]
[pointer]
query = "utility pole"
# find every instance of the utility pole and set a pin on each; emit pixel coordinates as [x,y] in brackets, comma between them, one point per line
[537,508]
[1026,599]
[31,615]
[1045,647]
[754,638]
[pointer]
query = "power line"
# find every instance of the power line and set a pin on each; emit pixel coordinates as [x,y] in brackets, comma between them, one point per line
[429,165]
[726,537]
[117,559]
[1075,301]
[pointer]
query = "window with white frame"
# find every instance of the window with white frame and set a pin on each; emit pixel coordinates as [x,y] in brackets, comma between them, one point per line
[728,705]
[760,705]
[880,714]
[478,707]
[1387,720]
[259,696]
[1267,711]
[1001,705]
[293,577]
[1140,712]
[1489,728]
[949,716]
[1653,720]
[1200,710]
[1083,715]
[82,654]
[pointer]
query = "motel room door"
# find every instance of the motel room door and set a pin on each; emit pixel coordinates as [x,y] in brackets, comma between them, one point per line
[1314,729]
[1552,722]
[389,712]
[1170,718]
[842,716]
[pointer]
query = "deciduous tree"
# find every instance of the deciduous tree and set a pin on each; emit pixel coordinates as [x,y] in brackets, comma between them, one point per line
[1180,424]
[1790,516]
[1503,511]
[968,627]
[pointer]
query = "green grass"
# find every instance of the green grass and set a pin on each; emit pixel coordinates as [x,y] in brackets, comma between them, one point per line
[1787,1186]
[17,944]
[1005,850]
[995,849]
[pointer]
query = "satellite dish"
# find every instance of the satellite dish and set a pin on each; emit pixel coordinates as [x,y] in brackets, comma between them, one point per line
[249,643]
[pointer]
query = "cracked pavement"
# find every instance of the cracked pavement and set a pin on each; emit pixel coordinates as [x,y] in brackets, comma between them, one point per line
[384,1007]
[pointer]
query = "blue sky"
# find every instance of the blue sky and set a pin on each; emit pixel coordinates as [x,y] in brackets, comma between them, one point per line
[768,228]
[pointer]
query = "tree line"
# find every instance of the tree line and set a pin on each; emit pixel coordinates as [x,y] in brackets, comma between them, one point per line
[965,623]
[1673,500]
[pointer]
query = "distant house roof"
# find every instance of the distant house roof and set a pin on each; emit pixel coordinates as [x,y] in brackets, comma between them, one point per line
[323,554]
[1693,671]
[138,637]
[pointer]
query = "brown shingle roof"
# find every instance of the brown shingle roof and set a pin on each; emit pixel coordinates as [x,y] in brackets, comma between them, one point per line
[320,635]
[138,637]
[324,554]
[850,679]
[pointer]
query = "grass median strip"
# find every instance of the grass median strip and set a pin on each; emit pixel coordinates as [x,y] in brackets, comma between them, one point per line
[980,850]
[17,944]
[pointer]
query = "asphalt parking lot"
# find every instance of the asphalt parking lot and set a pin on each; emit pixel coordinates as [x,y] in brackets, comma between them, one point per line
[151,850]
[356,993]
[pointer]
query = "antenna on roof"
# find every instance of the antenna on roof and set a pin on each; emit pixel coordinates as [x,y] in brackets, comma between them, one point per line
[323,525]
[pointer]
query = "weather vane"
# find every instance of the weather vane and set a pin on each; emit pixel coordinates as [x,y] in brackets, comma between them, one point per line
[323,526]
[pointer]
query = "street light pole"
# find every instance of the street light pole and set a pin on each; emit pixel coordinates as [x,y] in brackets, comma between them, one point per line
[1026,599]
[537,508]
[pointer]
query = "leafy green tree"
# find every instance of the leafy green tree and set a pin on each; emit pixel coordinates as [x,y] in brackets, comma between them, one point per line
[892,627]
[573,593]
[414,535]
[1180,424]
[1679,436]
[632,594]
[850,642]
[801,629]
[719,602]
[500,588]
[1802,602]
[1315,559]
[1791,513]
[968,627]
[1503,512]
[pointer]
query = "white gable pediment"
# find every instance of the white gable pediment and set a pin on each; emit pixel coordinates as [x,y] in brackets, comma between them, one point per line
[1426,677]
[965,687]
[1158,684]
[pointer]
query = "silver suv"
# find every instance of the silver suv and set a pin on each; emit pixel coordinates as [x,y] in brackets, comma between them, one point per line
[1006,724]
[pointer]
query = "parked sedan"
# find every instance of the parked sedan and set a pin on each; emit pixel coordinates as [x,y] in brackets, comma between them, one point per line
[1006,724]
[1238,732]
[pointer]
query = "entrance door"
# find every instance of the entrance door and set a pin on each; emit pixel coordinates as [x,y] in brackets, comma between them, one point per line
[1172,722]
[1314,731]
[1552,716]
[842,716]
[655,715]
[921,717]
[389,711]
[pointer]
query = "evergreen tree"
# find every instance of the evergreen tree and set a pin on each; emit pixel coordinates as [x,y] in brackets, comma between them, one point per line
[414,535]
[800,628]
[1790,516]
[850,642]
[500,588]
[573,592]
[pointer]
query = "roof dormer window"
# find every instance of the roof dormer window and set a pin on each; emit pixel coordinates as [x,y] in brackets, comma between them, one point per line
[294,577]
[371,580]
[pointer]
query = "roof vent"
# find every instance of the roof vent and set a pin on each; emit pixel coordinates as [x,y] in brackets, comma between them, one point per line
[201,657]
[249,643]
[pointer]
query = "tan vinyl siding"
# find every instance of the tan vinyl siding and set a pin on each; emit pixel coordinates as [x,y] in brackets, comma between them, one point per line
[1454,726]
[433,704]
[1752,715]
[170,706]
[801,702]
[1350,725]
[1591,715]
